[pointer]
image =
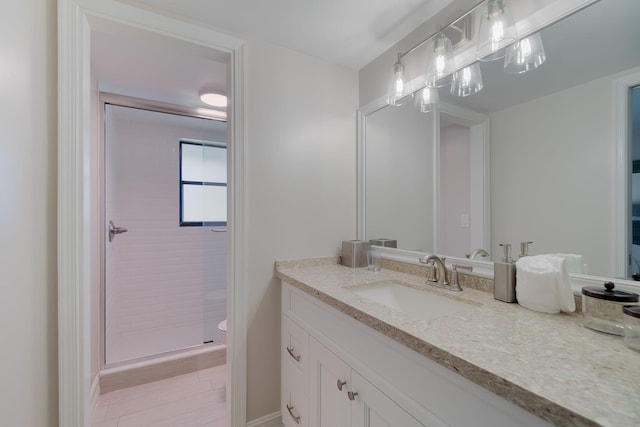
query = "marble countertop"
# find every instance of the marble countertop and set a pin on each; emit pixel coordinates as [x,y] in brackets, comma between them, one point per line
[548,364]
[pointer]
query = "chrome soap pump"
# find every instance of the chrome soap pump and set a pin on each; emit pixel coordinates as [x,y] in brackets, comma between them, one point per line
[504,277]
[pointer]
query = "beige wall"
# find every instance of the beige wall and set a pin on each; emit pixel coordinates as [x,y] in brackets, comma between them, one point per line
[28,152]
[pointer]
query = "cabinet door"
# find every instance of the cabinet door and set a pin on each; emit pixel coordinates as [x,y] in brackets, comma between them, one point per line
[329,379]
[294,362]
[371,408]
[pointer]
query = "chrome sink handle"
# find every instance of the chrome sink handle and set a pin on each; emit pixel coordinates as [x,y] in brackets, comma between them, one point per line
[455,286]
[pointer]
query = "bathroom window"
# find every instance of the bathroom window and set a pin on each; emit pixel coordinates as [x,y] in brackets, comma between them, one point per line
[203,183]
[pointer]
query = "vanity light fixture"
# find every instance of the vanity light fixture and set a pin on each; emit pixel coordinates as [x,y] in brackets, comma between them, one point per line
[467,81]
[214,99]
[428,99]
[525,55]
[400,83]
[496,38]
[439,63]
[497,31]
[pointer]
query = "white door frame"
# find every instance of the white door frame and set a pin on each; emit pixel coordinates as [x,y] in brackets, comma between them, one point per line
[76,175]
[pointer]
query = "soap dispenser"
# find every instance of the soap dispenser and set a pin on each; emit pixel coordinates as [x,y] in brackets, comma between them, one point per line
[504,277]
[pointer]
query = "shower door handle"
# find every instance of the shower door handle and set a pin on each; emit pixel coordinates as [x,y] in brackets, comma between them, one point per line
[113,230]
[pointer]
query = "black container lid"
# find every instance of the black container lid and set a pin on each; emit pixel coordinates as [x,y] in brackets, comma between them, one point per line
[632,310]
[609,294]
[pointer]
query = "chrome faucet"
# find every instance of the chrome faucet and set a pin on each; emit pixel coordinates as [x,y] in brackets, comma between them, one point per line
[478,252]
[438,271]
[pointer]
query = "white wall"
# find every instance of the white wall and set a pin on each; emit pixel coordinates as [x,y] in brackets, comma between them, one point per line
[399,173]
[551,174]
[455,190]
[28,152]
[301,185]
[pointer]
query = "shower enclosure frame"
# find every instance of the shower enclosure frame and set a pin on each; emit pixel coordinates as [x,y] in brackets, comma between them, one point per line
[107,98]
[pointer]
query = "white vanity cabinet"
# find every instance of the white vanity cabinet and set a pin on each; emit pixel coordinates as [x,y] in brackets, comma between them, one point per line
[329,383]
[349,375]
[340,397]
[372,408]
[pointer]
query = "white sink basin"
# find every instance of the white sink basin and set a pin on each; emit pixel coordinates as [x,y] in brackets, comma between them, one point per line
[414,302]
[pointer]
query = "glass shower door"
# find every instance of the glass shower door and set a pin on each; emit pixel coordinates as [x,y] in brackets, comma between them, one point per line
[156,291]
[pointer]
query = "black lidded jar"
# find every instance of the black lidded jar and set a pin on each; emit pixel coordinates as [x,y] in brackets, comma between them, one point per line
[602,308]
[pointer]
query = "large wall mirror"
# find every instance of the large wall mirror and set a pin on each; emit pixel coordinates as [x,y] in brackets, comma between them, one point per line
[550,174]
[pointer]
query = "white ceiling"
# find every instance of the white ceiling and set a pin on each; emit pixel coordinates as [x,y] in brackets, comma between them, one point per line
[347,32]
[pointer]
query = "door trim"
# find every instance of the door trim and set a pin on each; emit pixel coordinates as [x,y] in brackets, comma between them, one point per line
[77,176]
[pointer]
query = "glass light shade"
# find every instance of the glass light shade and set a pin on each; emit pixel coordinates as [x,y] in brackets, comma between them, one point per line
[497,31]
[427,100]
[400,87]
[467,81]
[525,55]
[439,70]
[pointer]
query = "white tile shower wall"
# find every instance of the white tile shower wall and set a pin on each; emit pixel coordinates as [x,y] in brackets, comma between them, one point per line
[163,280]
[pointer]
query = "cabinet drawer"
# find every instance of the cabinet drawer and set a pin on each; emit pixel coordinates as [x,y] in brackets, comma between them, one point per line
[295,346]
[294,356]
[294,403]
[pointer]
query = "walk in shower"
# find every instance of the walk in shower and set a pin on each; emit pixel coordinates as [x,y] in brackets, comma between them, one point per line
[165,246]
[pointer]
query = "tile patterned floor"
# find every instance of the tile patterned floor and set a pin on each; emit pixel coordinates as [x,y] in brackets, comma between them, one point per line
[191,400]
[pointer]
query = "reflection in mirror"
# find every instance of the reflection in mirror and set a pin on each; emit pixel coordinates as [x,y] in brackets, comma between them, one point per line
[553,149]
[400,177]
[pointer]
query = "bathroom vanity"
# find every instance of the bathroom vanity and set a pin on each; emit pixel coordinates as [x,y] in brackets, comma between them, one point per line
[357,350]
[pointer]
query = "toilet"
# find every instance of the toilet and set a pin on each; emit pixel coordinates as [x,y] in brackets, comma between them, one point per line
[222,331]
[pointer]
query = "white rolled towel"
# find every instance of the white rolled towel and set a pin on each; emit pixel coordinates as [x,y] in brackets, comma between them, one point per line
[573,262]
[542,284]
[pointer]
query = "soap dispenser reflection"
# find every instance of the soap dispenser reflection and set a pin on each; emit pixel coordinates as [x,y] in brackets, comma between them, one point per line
[524,249]
[504,276]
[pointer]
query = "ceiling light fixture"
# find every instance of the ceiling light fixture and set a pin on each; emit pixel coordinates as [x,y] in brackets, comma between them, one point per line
[214,99]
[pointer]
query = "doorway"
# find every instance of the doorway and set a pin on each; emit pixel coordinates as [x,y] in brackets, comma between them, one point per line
[78,228]
[464,183]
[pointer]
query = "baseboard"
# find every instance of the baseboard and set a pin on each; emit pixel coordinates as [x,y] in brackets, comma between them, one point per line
[95,392]
[271,420]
